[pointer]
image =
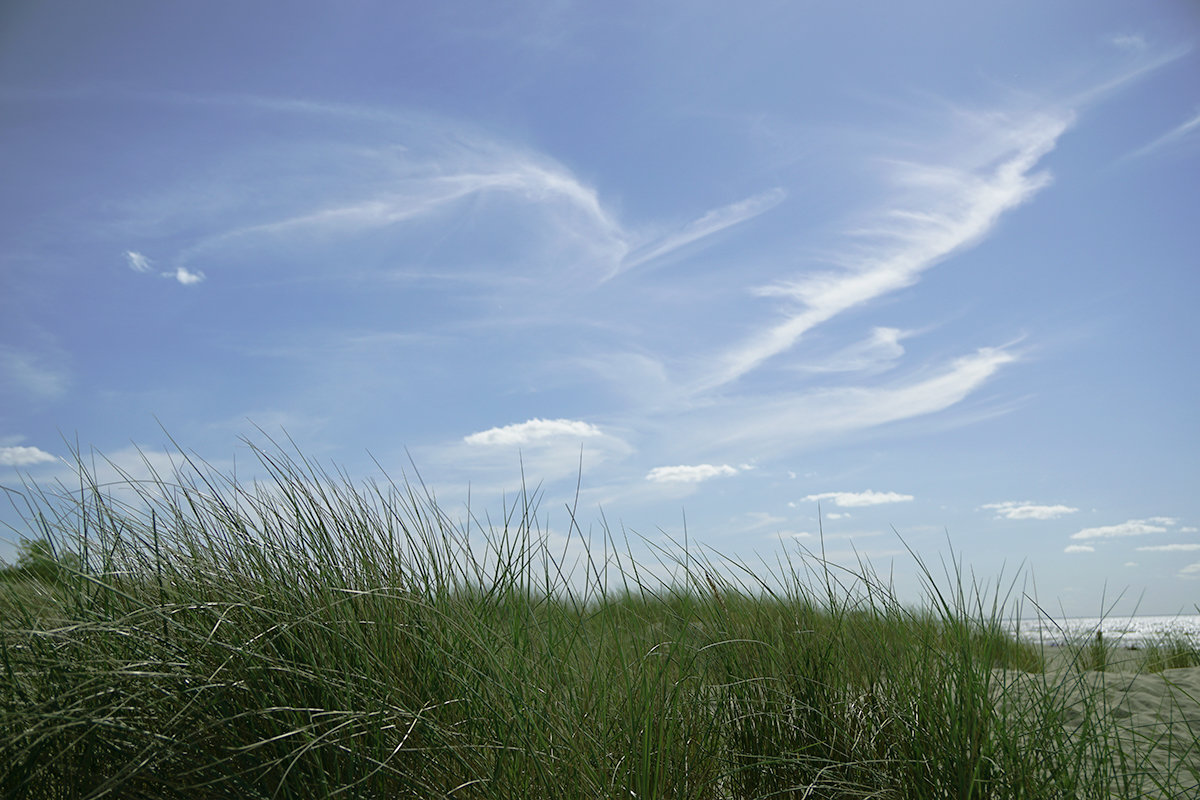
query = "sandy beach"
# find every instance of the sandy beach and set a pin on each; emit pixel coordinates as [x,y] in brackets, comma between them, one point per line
[1154,718]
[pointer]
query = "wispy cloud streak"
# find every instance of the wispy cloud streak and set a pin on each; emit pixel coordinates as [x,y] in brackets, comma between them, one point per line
[438,163]
[418,193]
[875,353]
[1170,137]
[137,262]
[770,425]
[711,223]
[962,208]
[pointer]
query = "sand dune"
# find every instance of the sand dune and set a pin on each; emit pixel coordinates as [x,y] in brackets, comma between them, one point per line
[1160,713]
[1153,718]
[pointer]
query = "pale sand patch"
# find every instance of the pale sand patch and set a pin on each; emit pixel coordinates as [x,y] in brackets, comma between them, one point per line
[1154,718]
[1068,659]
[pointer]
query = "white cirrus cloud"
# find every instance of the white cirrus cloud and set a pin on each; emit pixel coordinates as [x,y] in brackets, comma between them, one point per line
[689,473]
[1179,132]
[567,232]
[857,499]
[443,164]
[1024,509]
[1133,527]
[956,207]
[774,424]
[1079,548]
[1190,571]
[1189,529]
[1163,520]
[534,430]
[137,262]
[712,222]
[1170,548]
[24,456]
[873,354]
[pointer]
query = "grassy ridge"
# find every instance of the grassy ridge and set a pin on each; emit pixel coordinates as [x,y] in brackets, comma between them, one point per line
[305,637]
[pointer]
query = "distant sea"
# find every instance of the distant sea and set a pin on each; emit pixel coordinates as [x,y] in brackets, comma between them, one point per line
[1138,631]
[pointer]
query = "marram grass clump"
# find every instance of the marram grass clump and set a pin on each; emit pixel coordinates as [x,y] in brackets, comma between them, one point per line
[304,637]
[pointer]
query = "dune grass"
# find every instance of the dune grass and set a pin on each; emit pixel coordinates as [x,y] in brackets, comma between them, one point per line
[1170,653]
[305,637]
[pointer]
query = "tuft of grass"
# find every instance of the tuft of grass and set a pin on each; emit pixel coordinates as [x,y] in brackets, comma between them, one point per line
[303,636]
[1170,653]
[1094,656]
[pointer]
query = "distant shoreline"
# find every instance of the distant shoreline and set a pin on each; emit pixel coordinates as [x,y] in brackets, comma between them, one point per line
[1127,632]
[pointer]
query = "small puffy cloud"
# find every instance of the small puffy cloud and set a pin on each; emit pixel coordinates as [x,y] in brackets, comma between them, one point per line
[856,499]
[1190,571]
[137,262]
[185,277]
[689,474]
[1170,548]
[1163,520]
[1079,548]
[1133,527]
[1131,563]
[1023,509]
[1189,529]
[24,456]
[835,515]
[546,449]
[534,430]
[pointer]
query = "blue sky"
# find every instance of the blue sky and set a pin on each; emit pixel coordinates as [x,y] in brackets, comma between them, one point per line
[931,266]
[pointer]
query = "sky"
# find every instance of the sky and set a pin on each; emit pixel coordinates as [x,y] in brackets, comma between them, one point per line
[769,276]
